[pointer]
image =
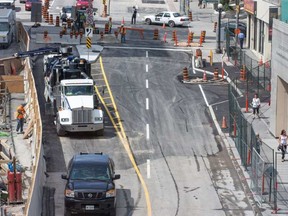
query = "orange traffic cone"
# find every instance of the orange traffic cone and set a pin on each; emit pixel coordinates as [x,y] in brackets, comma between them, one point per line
[204,76]
[224,123]
[163,26]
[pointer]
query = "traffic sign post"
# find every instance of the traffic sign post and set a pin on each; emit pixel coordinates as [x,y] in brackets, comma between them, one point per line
[89,28]
[88,42]
[88,45]
[89,32]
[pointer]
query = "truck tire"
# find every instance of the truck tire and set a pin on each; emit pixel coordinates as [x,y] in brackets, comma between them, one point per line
[100,132]
[60,131]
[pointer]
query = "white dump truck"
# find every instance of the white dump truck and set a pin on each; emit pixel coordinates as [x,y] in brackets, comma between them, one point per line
[70,91]
[7,27]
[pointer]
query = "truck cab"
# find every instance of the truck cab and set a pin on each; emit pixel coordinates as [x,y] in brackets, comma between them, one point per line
[70,95]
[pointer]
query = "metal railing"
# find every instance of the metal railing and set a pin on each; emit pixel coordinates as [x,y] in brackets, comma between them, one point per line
[256,156]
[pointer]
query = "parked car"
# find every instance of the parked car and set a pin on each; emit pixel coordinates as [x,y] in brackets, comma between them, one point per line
[28,4]
[82,4]
[90,187]
[232,26]
[167,17]
[223,13]
[67,10]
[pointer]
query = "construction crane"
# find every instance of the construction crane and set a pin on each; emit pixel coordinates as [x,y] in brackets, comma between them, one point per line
[36,52]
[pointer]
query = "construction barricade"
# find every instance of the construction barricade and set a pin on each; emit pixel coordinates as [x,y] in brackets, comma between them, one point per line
[156,34]
[57,22]
[185,74]
[190,38]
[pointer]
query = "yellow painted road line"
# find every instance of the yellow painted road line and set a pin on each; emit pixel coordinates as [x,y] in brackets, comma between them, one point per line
[121,134]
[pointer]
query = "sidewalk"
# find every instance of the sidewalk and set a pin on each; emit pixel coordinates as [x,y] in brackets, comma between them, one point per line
[23,152]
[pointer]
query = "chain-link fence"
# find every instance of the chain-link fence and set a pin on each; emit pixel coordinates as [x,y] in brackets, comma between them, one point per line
[256,156]
[281,197]
[258,71]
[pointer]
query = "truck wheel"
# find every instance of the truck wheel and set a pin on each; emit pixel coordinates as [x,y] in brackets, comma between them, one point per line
[60,131]
[100,132]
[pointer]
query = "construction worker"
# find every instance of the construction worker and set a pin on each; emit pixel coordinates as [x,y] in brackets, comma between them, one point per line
[110,25]
[20,118]
[122,31]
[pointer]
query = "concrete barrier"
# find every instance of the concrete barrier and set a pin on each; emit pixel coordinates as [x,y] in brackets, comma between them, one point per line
[9,69]
[33,205]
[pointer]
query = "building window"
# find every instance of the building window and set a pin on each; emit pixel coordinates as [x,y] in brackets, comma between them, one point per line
[261,37]
[255,34]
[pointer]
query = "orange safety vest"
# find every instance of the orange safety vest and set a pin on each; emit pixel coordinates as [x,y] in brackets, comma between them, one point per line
[122,30]
[20,112]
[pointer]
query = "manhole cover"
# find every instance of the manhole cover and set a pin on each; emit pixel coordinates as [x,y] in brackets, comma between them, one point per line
[153,1]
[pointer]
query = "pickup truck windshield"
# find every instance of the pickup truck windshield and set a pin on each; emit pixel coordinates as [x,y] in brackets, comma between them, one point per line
[4,26]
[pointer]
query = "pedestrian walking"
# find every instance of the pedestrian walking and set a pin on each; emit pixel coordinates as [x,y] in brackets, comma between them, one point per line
[110,25]
[204,3]
[283,144]
[256,105]
[133,20]
[241,37]
[122,32]
[20,112]
[200,3]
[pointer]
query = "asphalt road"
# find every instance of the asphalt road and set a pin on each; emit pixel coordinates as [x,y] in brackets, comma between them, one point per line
[171,134]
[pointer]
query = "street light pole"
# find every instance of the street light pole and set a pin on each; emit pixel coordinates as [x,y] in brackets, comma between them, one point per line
[219,50]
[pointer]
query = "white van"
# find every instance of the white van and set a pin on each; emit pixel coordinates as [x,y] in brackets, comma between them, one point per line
[9,4]
[7,27]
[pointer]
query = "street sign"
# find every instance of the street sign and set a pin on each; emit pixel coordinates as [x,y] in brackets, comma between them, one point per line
[88,42]
[89,12]
[94,15]
[89,32]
